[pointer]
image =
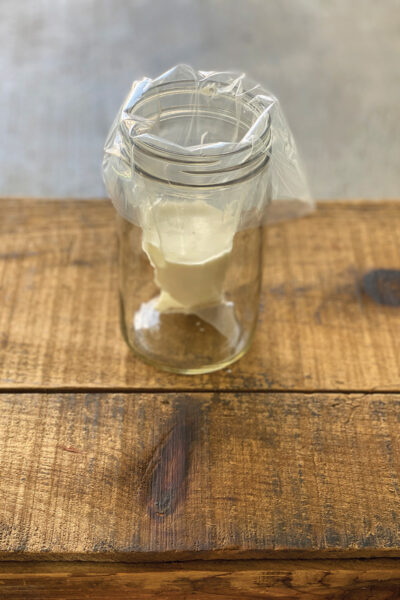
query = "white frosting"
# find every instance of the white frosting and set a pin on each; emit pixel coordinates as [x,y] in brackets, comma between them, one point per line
[189,245]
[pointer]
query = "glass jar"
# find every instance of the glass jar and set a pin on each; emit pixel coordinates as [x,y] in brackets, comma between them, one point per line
[190,231]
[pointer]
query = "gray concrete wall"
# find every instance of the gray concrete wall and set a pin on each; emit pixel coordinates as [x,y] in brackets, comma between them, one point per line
[66,64]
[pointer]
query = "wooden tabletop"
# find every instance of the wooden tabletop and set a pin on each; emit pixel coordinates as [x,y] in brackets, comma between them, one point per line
[275,478]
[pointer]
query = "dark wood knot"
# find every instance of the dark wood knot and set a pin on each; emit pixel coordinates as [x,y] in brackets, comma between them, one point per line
[383,286]
[168,468]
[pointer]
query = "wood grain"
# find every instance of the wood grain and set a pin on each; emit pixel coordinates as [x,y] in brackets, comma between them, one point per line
[329,317]
[377,579]
[161,477]
[286,455]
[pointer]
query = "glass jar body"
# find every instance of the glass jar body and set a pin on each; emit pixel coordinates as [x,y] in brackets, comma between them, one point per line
[186,336]
[187,167]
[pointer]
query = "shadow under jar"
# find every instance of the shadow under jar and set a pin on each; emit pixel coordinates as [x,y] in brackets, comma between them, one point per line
[190,253]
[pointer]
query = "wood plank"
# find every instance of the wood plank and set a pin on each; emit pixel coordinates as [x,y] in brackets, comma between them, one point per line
[324,324]
[247,580]
[161,477]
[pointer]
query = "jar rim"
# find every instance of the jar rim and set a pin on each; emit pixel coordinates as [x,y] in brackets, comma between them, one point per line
[201,164]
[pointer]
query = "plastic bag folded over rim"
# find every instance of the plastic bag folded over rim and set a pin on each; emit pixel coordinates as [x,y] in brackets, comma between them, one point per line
[203,130]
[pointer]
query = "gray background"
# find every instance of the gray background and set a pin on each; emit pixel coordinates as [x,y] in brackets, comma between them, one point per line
[67,64]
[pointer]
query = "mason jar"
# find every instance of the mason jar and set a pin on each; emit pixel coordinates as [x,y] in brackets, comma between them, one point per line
[191,229]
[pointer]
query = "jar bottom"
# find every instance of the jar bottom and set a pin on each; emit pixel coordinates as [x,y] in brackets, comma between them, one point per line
[183,343]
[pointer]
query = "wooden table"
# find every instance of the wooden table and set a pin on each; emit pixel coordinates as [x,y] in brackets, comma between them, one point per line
[275,478]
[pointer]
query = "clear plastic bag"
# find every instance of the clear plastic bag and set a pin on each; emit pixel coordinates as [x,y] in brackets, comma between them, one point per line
[191,129]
